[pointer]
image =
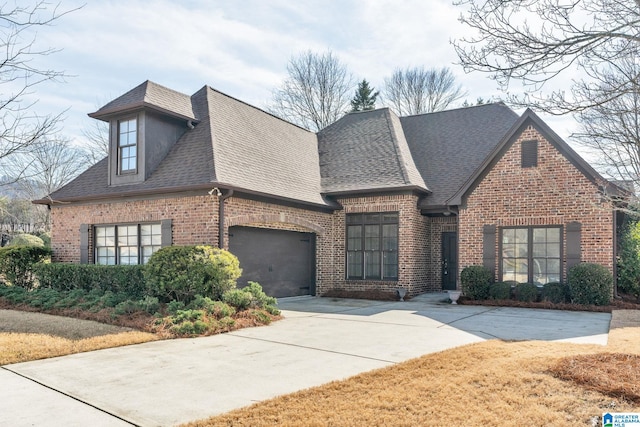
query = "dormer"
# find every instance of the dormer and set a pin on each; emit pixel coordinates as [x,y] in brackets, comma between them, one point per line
[144,124]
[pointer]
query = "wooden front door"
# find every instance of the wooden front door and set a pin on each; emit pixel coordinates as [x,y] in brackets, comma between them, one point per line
[449,260]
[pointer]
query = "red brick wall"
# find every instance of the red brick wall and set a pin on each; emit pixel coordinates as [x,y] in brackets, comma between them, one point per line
[195,220]
[413,237]
[553,193]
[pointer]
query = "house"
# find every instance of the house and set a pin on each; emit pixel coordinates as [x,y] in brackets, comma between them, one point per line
[372,202]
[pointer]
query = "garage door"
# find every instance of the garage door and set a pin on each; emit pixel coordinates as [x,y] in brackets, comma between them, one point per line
[283,262]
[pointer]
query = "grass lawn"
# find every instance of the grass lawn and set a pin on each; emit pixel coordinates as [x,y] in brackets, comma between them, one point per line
[490,383]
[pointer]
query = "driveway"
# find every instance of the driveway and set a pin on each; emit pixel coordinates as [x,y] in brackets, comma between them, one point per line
[320,340]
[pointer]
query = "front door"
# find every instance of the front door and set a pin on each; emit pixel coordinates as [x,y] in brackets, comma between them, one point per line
[449,260]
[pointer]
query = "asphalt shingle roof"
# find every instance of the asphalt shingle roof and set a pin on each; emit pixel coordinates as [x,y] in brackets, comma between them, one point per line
[151,95]
[366,151]
[236,145]
[448,146]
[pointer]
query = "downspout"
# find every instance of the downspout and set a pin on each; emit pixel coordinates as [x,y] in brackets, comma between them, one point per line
[221,200]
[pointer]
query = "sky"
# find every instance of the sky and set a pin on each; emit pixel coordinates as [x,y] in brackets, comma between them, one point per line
[239,47]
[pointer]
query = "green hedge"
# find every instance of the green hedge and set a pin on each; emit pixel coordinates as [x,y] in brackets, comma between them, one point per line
[17,264]
[590,284]
[476,280]
[555,292]
[500,291]
[182,272]
[526,292]
[125,279]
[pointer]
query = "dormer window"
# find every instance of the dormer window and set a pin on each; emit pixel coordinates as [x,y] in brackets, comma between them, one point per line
[128,145]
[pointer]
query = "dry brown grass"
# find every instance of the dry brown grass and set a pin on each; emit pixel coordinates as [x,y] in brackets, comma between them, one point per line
[22,347]
[490,383]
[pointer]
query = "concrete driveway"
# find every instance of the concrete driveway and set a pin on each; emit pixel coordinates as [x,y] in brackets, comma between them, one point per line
[320,340]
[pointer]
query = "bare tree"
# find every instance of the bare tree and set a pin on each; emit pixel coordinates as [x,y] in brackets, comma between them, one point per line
[97,140]
[49,164]
[419,90]
[316,92]
[594,43]
[612,129]
[20,126]
[535,41]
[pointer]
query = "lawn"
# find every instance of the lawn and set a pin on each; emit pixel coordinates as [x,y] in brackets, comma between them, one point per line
[490,383]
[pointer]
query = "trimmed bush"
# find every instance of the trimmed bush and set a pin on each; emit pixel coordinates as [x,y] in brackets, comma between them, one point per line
[555,292]
[500,290]
[17,264]
[182,272]
[629,260]
[590,284]
[476,280]
[124,279]
[526,292]
[24,239]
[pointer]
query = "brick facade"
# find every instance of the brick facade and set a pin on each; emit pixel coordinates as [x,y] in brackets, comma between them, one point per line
[195,221]
[554,192]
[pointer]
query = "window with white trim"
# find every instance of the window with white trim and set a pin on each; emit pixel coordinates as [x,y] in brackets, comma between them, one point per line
[531,254]
[126,244]
[372,246]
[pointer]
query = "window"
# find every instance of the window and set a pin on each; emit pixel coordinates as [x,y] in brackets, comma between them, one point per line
[529,154]
[126,244]
[372,246]
[127,145]
[531,254]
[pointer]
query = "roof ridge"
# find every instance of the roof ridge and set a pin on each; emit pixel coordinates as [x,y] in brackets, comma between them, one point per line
[394,140]
[490,104]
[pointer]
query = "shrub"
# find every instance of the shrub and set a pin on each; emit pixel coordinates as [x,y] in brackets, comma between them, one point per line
[590,284]
[24,239]
[218,309]
[174,306]
[17,264]
[526,292]
[629,260]
[46,238]
[127,307]
[555,292]
[182,272]
[120,279]
[238,298]
[476,280]
[260,299]
[500,290]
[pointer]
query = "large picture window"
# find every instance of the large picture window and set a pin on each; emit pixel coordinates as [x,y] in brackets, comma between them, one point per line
[372,246]
[128,145]
[531,254]
[126,244]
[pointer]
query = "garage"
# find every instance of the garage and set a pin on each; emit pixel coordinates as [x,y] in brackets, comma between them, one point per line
[283,262]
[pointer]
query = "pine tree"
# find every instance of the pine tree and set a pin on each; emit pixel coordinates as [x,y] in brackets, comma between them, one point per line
[365,98]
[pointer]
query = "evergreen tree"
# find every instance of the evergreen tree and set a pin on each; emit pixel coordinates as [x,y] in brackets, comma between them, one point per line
[365,98]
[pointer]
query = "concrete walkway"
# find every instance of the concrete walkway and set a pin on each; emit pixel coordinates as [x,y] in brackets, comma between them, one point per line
[320,340]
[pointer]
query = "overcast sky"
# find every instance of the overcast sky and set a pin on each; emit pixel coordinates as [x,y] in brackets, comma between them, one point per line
[240,47]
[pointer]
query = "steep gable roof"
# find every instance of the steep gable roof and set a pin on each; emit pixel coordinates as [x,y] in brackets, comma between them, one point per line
[152,96]
[234,145]
[529,118]
[449,146]
[257,151]
[367,151]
